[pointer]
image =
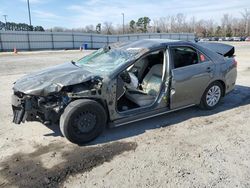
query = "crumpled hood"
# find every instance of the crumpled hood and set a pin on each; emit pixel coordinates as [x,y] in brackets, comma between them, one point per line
[52,79]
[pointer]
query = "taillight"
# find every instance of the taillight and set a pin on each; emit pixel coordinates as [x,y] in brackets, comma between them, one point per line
[235,62]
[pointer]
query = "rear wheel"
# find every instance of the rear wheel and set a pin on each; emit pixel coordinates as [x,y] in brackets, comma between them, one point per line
[82,121]
[212,96]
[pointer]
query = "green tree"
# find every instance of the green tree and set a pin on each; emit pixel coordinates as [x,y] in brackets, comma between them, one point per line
[132,26]
[2,25]
[143,23]
[12,26]
[38,28]
[98,28]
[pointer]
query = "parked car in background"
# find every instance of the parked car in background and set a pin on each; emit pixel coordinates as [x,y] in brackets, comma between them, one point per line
[236,39]
[222,39]
[247,39]
[229,39]
[214,38]
[204,39]
[123,83]
[243,38]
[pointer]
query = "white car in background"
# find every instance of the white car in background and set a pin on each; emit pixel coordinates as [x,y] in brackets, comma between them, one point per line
[236,39]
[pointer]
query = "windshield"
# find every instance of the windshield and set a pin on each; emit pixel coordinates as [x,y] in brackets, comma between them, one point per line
[105,61]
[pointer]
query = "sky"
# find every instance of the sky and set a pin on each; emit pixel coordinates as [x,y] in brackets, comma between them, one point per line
[77,14]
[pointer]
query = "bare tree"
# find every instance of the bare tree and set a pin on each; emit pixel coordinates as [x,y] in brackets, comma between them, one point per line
[246,17]
[164,24]
[229,26]
[89,29]
[107,28]
[226,25]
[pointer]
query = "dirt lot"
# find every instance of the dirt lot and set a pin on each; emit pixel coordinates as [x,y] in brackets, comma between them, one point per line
[189,148]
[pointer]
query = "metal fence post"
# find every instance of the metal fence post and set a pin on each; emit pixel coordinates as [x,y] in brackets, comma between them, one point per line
[28,36]
[73,40]
[1,43]
[91,41]
[52,41]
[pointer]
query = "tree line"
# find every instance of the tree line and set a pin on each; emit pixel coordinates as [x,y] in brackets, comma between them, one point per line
[12,26]
[229,26]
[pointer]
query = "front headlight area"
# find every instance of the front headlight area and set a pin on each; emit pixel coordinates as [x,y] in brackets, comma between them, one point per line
[46,110]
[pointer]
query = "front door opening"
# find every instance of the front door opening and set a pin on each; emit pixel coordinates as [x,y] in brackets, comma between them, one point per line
[140,84]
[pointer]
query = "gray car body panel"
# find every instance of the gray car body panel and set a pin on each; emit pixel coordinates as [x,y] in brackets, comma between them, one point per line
[184,86]
[52,80]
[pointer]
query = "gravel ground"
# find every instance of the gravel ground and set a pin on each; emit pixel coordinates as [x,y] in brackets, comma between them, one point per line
[188,148]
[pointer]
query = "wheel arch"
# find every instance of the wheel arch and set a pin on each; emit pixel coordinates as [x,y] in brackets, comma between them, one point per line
[223,85]
[215,80]
[78,106]
[221,81]
[102,102]
[218,81]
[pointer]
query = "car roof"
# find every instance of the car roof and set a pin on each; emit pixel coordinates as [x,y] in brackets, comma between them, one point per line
[149,44]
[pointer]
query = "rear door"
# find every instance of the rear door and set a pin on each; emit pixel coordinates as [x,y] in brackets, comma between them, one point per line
[191,72]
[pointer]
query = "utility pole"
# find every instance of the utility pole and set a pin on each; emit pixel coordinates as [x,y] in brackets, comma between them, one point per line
[247,21]
[28,2]
[5,18]
[123,23]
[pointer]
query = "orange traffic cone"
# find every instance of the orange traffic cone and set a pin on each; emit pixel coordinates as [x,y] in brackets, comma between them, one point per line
[15,50]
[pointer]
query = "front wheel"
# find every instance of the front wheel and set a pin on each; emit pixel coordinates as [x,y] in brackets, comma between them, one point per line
[82,121]
[212,96]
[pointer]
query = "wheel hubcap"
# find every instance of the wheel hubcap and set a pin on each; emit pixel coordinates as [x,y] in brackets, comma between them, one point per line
[213,95]
[85,122]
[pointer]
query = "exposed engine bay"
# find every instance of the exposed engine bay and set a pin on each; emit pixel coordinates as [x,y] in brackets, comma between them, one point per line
[47,109]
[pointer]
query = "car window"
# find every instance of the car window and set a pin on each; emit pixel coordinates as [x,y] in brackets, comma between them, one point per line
[184,56]
[106,61]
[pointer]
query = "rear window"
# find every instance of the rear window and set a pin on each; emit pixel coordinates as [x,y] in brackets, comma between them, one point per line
[184,56]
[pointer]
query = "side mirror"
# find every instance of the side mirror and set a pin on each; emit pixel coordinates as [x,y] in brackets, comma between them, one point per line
[125,77]
[106,48]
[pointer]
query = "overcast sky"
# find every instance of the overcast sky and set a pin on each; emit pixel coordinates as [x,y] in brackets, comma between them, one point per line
[75,13]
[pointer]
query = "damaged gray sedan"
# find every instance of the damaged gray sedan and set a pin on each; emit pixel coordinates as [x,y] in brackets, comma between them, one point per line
[123,83]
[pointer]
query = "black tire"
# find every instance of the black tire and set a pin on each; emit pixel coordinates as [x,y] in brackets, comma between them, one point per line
[204,103]
[82,121]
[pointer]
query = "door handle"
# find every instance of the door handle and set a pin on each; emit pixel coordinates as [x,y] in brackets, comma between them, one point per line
[209,69]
